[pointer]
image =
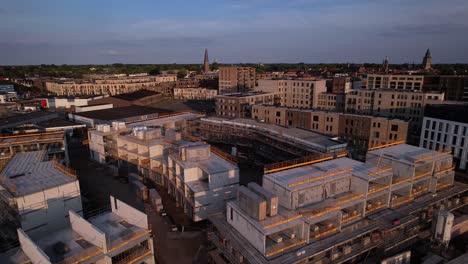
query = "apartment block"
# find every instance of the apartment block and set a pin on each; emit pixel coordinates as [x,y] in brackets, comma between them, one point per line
[341,85]
[302,93]
[359,131]
[404,82]
[198,177]
[195,93]
[119,236]
[106,86]
[445,127]
[236,79]
[239,104]
[335,210]
[331,102]
[401,104]
[37,192]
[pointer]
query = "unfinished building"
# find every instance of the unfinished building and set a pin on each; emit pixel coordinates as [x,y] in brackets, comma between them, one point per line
[37,193]
[325,212]
[199,178]
[119,236]
[268,140]
[53,143]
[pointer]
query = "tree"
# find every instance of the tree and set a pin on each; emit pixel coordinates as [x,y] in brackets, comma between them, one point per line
[154,71]
[181,74]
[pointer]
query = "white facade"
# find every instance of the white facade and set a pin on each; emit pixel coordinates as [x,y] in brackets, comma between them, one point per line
[440,134]
[41,192]
[119,236]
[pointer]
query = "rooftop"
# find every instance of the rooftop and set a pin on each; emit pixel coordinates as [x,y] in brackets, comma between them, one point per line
[24,118]
[245,94]
[310,175]
[410,154]
[58,122]
[451,112]
[302,136]
[135,95]
[121,112]
[27,173]
[30,138]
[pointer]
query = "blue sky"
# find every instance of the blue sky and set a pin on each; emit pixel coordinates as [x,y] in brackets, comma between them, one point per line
[176,31]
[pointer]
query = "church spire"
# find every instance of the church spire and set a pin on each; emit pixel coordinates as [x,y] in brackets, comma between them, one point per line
[206,62]
[427,60]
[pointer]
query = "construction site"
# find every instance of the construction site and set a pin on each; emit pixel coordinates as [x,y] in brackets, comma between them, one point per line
[263,147]
[335,210]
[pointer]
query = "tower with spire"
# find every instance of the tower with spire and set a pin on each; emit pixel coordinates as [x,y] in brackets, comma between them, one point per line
[427,60]
[386,65]
[206,62]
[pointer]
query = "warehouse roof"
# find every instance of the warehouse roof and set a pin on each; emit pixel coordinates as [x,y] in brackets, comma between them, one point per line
[121,112]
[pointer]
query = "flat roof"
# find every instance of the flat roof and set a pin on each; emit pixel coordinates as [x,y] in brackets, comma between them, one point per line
[307,137]
[58,122]
[451,112]
[410,154]
[135,95]
[28,117]
[31,138]
[122,112]
[27,173]
[245,94]
[310,175]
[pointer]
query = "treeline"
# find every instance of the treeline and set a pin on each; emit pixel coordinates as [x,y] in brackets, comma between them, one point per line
[77,71]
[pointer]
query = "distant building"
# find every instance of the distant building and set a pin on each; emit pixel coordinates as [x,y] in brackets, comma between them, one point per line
[445,128]
[303,93]
[455,88]
[427,60]
[236,79]
[206,62]
[362,132]
[331,102]
[195,93]
[405,82]
[105,86]
[239,104]
[123,114]
[7,88]
[341,85]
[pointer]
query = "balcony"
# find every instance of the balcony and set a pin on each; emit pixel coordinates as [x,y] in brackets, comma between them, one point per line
[401,200]
[132,255]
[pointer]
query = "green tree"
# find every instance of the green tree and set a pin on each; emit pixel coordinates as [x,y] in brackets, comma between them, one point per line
[181,74]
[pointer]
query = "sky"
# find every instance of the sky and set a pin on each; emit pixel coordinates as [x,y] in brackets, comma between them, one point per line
[234,31]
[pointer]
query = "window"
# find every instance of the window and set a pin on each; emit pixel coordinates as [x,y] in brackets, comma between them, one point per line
[232,214]
[316,118]
[394,128]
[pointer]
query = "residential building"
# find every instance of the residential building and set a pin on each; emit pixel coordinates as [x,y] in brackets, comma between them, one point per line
[7,97]
[198,177]
[195,93]
[360,131]
[405,82]
[335,210]
[302,93]
[331,102]
[236,79]
[455,88]
[239,104]
[341,85]
[119,236]
[105,86]
[445,127]
[401,104]
[37,192]
[141,97]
